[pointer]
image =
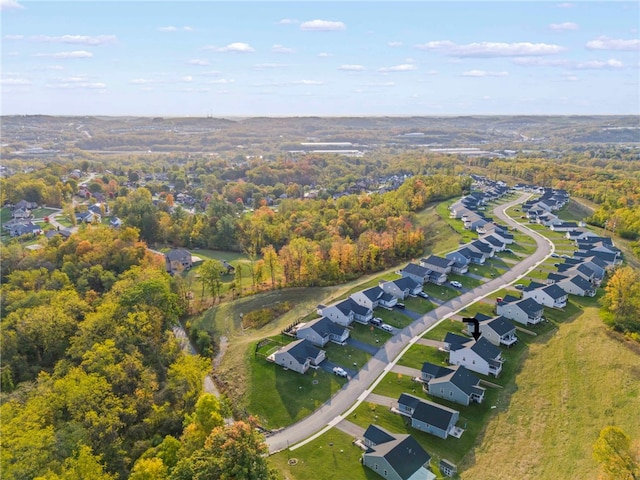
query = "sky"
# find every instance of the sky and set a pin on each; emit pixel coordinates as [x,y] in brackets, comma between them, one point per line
[302,58]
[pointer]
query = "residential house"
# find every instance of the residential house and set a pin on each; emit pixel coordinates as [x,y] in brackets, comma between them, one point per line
[440,267]
[321,331]
[428,416]
[416,272]
[299,356]
[504,235]
[473,256]
[482,247]
[578,285]
[373,297]
[115,222]
[20,229]
[345,312]
[395,456]
[177,260]
[25,205]
[21,214]
[495,242]
[563,227]
[401,288]
[478,356]
[499,331]
[609,258]
[456,384]
[460,263]
[526,311]
[550,296]
[88,217]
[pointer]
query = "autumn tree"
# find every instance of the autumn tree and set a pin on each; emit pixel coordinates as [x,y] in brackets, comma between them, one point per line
[618,458]
[622,300]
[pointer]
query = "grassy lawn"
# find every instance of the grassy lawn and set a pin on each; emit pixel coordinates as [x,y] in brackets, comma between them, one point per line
[43,212]
[281,397]
[490,269]
[419,305]
[417,355]
[523,247]
[479,307]
[322,459]
[467,282]
[346,355]
[438,333]
[465,236]
[571,386]
[367,334]
[393,317]
[442,237]
[440,292]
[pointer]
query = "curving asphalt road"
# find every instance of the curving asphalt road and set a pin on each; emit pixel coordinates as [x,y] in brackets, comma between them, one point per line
[356,390]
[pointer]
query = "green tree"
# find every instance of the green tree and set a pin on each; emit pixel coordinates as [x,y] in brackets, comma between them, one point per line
[211,276]
[617,457]
[622,299]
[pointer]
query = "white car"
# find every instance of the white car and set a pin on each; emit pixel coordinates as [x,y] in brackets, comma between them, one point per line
[423,295]
[341,372]
[455,283]
[386,327]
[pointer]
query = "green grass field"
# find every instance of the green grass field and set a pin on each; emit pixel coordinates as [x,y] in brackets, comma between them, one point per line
[465,236]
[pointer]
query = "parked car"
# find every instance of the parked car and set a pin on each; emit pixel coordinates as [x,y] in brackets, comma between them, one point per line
[555,255]
[341,372]
[400,305]
[386,327]
[508,250]
[423,295]
[518,286]
[455,283]
[377,321]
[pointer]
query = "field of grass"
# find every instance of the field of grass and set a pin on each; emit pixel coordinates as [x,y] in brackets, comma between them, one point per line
[367,334]
[346,355]
[440,292]
[281,397]
[331,456]
[441,330]
[465,236]
[571,386]
[419,305]
[466,281]
[442,237]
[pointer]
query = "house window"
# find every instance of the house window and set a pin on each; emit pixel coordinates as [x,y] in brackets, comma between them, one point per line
[464,359]
[473,362]
[376,465]
[451,394]
[386,473]
[442,390]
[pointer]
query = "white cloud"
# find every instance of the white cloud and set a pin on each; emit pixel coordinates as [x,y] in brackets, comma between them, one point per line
[308,82]
[492,49]
[76,82]
[380,84]
[564,27]
[322,26]
[10,5]
[281,49]
[194,90]
[566,5]
[75,39]
[169,28]
[606,43]
[141,81]
[484,73]
[599,65]
[222,81]
[351,68]
[64,55]
[198,62]
[325,55]
[15,82]
[288,21]
[187,28]
[187,78]
[237,47]
[405,67]
[14,37]
[394,44]
[263,66]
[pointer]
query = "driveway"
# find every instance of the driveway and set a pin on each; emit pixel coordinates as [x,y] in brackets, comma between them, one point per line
[328,365]
[409,313]
[352,392]
[365,347]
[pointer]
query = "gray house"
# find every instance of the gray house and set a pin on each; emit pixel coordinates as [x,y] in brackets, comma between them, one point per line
[322,331]
[440,267]
[478,356]
[550,296]
[482,247]
[427,416]
[474,256]
[499,331]
[374,297]
[345,312]
[525,312]
[299,356]
[395,456]
[456,384]
[401,288]
[416,272]
[460,263]
[177,260]
[577,285]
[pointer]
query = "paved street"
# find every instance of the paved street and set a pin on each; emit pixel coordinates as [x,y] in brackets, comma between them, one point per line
[357,389]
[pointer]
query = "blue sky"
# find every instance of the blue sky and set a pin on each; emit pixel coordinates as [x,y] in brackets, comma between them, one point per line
[319,58]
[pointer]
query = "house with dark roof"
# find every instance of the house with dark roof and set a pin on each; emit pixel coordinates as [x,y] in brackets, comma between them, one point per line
[524,311]
[504,235]
[473,256]
[322,331]
[27,228]
[460,263]
[577,285]
[608,258]
[177,260]
[440,267]
[416,272]
[550,296]
[563,227]
[373,297]
[299,356]
[395,456]
[345,312]
[495,242]
[428,416]
[401,288]
[456,384]
[88,217]
[482,247]
[499,331]
[478,356]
